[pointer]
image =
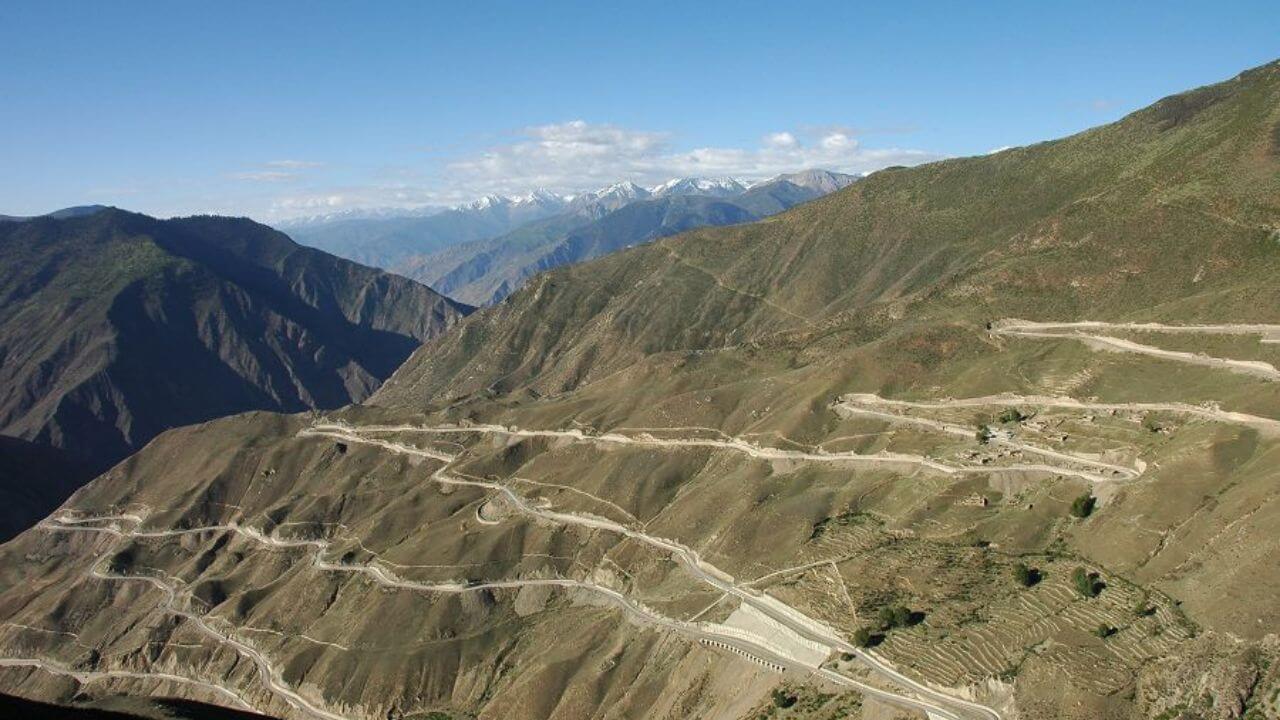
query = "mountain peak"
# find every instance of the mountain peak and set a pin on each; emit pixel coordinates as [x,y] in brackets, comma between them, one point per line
[715,187]
[823,181]
[63,214]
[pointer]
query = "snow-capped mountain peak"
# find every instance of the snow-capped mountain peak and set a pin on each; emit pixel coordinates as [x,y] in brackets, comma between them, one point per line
[715,187]
[540,196]
[486,202]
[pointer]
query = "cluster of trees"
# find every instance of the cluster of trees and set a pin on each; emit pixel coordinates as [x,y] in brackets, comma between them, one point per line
[864,638]
[1082,507]
[892,616]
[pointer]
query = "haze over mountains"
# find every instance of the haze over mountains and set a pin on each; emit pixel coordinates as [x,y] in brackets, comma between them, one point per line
[481,252]
[993,438]
[116,326]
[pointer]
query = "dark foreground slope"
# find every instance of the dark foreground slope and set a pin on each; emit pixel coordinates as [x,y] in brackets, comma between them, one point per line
[643,485]
[120,708]
[115,326]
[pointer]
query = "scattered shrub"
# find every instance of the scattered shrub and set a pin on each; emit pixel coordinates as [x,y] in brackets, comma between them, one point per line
[782,698]
[1012,415]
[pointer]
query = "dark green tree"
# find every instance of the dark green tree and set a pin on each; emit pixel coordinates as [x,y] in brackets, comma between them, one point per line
[1025,576]
[1082,507]
[984,434]
[861,638]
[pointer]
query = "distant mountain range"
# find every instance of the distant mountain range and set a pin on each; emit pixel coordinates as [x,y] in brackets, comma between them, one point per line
[480,252]
[116,326]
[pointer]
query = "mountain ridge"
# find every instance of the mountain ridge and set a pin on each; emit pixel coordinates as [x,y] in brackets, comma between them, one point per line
[109,287]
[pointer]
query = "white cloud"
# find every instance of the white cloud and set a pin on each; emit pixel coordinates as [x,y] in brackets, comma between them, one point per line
[575,156]
[293,164]
[781,140]
[276,171]
[264,176]
[838,141]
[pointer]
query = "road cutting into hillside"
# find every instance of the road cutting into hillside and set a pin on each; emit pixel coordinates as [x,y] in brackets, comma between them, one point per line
[1267,332]
[268,674]
[892,460]
[1078,331]
[753,646]
[702,570]
[852,407]
[85,677]
[1208,412]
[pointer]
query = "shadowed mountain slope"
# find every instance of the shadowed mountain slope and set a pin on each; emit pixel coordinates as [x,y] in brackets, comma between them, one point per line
[34,479]
[115,326]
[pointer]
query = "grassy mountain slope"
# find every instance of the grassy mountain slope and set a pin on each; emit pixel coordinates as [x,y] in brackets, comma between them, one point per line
[1169,213]
[117,326]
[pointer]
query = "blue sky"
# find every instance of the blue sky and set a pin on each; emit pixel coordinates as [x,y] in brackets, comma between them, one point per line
[280,109]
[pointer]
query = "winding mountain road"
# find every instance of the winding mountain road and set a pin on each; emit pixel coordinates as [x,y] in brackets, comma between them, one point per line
[1204,412]
[850,406]
[942,704]
[1086,332]
[85,677]
[760,649]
